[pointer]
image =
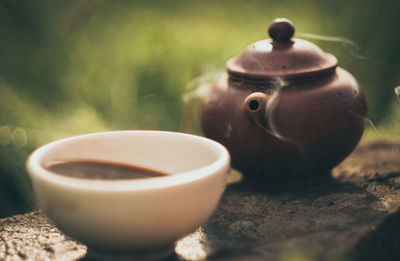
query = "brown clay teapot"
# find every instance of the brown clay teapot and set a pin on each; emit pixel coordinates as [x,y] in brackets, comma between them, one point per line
[284,110]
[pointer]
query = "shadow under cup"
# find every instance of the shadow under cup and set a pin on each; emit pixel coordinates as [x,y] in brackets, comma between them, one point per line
[141,217]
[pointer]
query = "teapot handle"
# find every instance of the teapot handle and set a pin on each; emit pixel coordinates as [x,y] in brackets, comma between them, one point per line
[254,106]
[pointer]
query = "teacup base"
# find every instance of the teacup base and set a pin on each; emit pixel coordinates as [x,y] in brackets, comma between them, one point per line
[147,255]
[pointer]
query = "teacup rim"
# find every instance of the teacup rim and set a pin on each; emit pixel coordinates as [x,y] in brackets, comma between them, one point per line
[36,170]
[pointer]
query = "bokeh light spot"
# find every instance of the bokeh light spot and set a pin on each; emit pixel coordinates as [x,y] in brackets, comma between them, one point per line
[19,137]
[5,135]
[397,91]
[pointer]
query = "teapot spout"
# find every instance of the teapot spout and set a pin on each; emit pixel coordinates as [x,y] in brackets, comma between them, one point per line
[254,106]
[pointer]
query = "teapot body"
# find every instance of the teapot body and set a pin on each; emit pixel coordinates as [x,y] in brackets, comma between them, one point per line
[292,129]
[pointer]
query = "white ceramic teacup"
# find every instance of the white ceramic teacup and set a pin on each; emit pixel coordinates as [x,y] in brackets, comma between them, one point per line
[142,217]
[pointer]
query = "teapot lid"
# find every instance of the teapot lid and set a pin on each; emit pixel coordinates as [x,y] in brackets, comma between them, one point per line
[281,57]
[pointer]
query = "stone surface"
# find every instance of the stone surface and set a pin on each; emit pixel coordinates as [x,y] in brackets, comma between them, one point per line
[351,216]
[33,237]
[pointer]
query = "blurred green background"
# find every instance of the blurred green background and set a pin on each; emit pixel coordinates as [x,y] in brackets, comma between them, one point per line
[69,67]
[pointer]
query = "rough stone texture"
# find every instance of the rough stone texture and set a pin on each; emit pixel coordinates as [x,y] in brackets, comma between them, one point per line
[352,216]
[33,237]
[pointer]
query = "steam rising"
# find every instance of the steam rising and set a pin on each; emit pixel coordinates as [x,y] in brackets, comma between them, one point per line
[199,86]
[354,48]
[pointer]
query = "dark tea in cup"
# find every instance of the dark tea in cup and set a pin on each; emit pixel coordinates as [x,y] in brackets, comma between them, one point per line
[97,169]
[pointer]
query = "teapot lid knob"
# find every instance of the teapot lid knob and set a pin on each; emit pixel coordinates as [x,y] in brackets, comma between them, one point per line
[281,30]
